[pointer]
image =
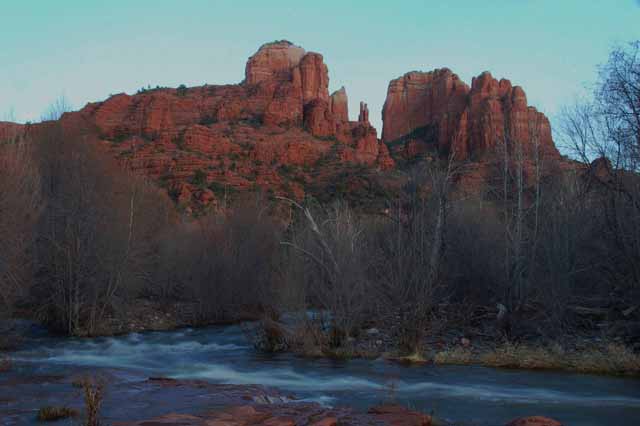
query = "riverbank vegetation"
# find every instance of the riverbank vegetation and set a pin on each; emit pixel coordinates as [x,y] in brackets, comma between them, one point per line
[537,253]
[53,414]
[610,359]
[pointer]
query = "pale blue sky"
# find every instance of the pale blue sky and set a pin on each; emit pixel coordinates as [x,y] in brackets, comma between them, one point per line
[87,49]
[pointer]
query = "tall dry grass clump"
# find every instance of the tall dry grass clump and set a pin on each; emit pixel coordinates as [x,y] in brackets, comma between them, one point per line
[611,359]
[93,391]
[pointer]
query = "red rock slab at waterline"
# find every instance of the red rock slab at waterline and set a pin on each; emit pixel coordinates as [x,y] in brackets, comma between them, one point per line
[534,421]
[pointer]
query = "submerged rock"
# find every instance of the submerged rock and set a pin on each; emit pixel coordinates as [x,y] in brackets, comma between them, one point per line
[397,415]
[534,421]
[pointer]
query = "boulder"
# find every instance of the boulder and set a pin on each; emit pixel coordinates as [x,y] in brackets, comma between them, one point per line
[327,421]
[397,415]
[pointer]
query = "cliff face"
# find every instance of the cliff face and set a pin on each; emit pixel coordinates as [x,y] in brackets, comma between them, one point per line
[270,131]
[436,109]
[10,131]
[280,130]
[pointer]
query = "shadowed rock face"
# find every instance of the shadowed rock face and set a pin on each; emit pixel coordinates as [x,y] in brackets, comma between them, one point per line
[438,109]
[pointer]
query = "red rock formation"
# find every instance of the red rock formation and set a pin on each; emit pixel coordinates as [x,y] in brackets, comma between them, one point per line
[438,109]
[340,105]
[280,130]
[396,415]
[534,421]
[263,132]
[420,99]
[315,78]
[384,159]
[273,61]
[288,415]
[10,131]
[318,119]
[363,117]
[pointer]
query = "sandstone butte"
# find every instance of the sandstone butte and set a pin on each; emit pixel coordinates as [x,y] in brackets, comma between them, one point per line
[440,109]
[282,131]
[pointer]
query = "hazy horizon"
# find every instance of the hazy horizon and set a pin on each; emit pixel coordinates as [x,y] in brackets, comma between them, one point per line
[86,52]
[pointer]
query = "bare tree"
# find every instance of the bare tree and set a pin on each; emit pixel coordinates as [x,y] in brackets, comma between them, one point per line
[20,206]
[605,134]
[413,251]
[618,100]
[96,235]
[224,264]
[334,245]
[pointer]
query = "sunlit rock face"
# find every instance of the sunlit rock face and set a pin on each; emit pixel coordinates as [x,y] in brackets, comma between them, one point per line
[279,120]
[280,130]
[437,108]
[10,131]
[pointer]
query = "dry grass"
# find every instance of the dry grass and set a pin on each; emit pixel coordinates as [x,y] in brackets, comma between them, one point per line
[414,358]
[454,356]
[52,414]
[526,357]
[349,351]
[93,390]
[612,359]
[268,336]
[308,340]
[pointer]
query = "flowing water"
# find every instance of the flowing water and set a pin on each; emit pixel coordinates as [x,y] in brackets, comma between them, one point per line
[45,367]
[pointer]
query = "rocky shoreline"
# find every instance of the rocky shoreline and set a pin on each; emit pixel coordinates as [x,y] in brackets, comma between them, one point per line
[268,408]
[579,352]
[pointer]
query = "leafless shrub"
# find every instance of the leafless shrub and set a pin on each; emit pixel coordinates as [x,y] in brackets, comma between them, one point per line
[309,338]
[20,207]
[224,262]
[96,234]
[268,336]
[607,130]
[333,246]
[409,276]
